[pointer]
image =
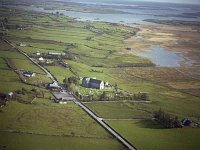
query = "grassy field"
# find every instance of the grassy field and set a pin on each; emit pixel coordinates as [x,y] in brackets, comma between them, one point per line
[50,119]
[51,126]
[17,141]
[113,110]
[147,135]
[60,72]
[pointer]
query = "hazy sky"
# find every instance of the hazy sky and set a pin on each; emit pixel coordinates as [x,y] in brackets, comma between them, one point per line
[175,1]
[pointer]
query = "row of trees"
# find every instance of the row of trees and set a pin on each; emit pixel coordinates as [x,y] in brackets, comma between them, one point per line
[167,120]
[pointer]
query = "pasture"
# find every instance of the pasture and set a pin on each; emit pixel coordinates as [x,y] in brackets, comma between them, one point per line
[19,141]
[148,135]
[120,110]
[49,119]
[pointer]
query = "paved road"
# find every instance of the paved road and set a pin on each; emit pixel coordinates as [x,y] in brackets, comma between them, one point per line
[102,123]
[92,114]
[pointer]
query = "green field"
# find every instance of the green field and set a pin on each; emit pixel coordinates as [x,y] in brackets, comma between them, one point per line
[50,119]
[120,110]
[18,141]
[147,135]
[60,72]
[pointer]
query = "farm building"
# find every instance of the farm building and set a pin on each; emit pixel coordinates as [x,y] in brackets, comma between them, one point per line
[53,85]
[38,53]
[56,54]
[92,83]
[22,45]
[28,74]
[41,59]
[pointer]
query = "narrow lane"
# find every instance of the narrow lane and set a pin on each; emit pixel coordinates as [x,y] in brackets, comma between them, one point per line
[106,126]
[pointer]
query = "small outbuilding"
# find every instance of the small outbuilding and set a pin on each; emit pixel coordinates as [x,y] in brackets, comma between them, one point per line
[38,53]
[28,74]
[22,45]
[53,85]
[56,54]
[186,122]
[41,59]
[10,95]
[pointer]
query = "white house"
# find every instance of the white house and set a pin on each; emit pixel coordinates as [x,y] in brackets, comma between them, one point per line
[56,54]
[28,74]
[38,53]
[22,45]
[53,85]
[41,59]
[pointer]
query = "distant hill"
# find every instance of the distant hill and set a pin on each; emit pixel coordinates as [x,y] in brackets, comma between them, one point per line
[23,2]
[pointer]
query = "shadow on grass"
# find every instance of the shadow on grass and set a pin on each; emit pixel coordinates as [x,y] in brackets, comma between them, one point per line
[151,124]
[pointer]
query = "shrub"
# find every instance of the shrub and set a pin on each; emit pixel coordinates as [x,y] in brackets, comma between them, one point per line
[167,120]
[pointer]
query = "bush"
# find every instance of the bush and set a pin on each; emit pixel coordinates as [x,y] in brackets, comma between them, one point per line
[71,80]
[141,96]
[167,120]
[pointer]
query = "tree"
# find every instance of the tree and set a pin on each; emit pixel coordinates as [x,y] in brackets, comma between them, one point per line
[65,81]
[73,80]
[116,87]
[144,96]
[72,88]
[166,119]
[5,20]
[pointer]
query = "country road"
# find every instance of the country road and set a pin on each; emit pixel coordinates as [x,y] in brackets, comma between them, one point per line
[106,126]
[76,101]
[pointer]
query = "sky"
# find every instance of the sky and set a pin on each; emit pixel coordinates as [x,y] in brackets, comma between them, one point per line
[169,1]
[176,1]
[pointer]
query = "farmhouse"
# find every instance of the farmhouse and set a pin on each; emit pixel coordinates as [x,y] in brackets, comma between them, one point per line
[28,74]
[92,83]
[41,59]
[22,45]
[53,85]
[38,53]
[56,54]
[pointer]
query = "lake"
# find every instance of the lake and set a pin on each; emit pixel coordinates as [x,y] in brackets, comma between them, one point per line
[129,12]
[165,58]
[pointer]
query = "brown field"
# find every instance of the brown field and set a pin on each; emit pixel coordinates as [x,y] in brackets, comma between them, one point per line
[182,39]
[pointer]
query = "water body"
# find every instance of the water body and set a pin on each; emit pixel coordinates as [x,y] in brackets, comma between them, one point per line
[165,58]
[133,12]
